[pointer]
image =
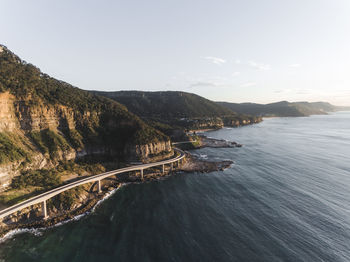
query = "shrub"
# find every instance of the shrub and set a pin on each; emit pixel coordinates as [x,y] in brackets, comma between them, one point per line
[41,178]
[9,151]
[49,142]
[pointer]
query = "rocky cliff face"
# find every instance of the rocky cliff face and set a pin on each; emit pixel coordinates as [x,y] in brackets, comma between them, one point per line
[19,121]
[44,121]
[148,151]
[241,122]
[18,114]
[8,120]
[220,122]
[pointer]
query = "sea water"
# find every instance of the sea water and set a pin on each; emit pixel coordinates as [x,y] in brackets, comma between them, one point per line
[286,198]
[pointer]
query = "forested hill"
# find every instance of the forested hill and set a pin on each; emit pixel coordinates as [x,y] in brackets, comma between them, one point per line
[166,104]
[178,109]
[282,109]
[44,118]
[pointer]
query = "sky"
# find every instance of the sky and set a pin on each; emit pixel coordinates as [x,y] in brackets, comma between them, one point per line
[225,50]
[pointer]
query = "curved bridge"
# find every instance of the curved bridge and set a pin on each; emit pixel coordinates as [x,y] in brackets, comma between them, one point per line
[96,178]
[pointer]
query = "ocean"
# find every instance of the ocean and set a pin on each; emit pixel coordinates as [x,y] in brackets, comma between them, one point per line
[285,198]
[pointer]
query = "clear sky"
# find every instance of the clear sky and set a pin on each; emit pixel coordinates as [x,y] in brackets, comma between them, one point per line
[229,50]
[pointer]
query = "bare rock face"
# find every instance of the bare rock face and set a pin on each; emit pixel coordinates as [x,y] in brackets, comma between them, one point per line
[15,114]
[7,172]
[152,149]
[8,120]
[44,117]
[147,151]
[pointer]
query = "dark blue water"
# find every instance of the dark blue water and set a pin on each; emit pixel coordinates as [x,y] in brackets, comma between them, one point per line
[287,198]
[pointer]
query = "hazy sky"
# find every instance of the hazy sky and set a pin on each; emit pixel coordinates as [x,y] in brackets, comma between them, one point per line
[238,50]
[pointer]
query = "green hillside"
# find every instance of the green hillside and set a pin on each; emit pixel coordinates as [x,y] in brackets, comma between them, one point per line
[55,116]
[171,110]
[167,104]
[281,109]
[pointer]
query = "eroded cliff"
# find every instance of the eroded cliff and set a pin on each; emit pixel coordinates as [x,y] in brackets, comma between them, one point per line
[44,121]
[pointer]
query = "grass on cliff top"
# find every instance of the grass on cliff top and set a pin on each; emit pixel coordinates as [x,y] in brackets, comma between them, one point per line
[10,150]
[49,142]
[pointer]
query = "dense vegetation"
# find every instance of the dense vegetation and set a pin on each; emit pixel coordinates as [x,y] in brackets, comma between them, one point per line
[49,141]
[282,109]
[171,110]
[169,104]
[10,150]
[43,178]
[99,121]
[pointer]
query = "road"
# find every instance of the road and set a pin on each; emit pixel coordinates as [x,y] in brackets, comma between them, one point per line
[49,194]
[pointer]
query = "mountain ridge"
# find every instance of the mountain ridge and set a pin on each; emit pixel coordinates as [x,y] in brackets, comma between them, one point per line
[178,110]
[283,108]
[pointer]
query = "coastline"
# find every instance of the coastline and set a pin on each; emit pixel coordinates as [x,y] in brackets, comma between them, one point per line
[191,164]
[38,230]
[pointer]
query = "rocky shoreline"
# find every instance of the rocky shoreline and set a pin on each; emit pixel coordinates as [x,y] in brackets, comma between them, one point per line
[195,164]
[190,165]
[217,143]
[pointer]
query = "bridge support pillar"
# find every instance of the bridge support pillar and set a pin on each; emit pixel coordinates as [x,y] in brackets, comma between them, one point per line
[163,169]
[44,210]
[99,186]
[141,174]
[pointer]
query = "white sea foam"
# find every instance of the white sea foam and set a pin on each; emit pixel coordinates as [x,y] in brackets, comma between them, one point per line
[108,195]
[39,231]
[203,156]
[12,233]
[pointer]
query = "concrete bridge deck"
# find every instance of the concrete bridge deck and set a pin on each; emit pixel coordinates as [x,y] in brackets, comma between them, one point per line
[49,194]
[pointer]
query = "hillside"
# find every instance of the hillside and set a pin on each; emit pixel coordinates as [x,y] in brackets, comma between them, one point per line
[178,109]
[44,121]
[282,109]
[167,104]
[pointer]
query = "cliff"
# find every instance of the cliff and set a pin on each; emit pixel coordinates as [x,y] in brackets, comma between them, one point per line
[44,121]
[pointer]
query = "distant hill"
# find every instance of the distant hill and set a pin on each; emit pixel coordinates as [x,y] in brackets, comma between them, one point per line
[176,108]
[282,109]
[173,104]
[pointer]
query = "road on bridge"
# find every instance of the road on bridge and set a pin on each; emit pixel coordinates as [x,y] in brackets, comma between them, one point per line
[49,194]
